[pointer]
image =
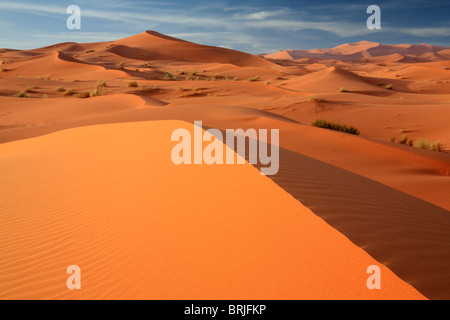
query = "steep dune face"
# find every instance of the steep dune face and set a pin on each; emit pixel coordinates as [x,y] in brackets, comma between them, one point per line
[151,45]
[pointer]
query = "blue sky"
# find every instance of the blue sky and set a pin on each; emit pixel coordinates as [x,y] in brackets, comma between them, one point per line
[251,26]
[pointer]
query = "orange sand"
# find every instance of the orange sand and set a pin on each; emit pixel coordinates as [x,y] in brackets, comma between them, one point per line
[92,194]
[140,227]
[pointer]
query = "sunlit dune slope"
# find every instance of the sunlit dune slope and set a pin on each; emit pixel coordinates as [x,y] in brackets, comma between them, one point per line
[108,199]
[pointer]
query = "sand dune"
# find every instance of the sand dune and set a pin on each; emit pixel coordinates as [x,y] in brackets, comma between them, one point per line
[60,65]
[330,80]
[139,243]
[369,52]
[79,180]
[151,45]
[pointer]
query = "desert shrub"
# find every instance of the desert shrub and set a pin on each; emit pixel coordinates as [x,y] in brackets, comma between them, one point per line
[424,144]
[393,139]
[342,89]
[314,99]
[84,94]
[46,77]
[146,89]
[169,76]
[321,123]
[101,84]
[94,93]
[89,51]
[267,82]
[22,94]
[404,140]
[251,79]
[193,92]
[390,87]
[60,89]
[29,89]
[133,84]
[437,146]
[70,92]
[122,65]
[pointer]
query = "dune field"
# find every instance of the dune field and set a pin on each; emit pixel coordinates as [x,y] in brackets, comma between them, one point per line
[86,176]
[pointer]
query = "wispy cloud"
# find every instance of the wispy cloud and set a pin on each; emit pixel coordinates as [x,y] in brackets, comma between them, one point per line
[247,27]
[426,32]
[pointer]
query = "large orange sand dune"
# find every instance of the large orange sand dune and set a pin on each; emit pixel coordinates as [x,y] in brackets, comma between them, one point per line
[140,227]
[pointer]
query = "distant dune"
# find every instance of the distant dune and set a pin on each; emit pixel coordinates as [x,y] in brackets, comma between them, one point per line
[366,51]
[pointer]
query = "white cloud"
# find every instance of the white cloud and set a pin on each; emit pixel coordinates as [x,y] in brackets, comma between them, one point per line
[341,29]
[261,15]
[424,32]
[227,26]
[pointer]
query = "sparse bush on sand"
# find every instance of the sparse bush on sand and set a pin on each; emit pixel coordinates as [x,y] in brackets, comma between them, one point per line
[22,94]
[404,140]
[390,87]
[101,84]
[94,93]
[420,143]
[84,94]
[133,84]
[169,76]
[314,99]
[342,89]
[424,144]
[60,89]
[252,79]
[46,77]
[70,92]
[321,123]
[29,89]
